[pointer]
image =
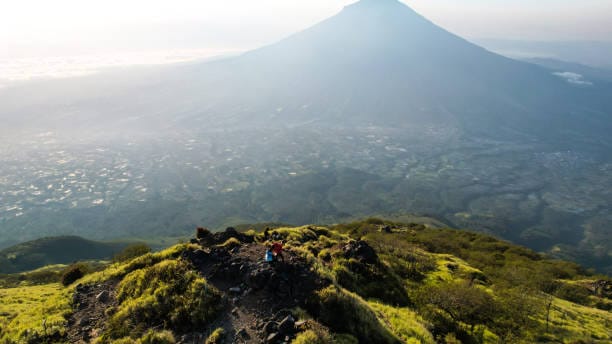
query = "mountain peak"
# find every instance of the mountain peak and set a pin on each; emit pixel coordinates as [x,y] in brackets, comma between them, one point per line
[386,8]
[378,2]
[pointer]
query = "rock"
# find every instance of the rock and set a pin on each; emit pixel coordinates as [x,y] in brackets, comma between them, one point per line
[202,233]
[242,333]
[83,322]
[259,278]
[103,296]
[81,305]
[273,338]
[287,325]
[270,327]
[360,250]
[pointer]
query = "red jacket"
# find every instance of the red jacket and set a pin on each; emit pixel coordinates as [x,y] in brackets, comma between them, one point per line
[277,248]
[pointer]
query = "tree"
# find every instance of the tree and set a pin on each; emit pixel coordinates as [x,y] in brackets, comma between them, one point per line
[131,252]
[517,309]
[463,303]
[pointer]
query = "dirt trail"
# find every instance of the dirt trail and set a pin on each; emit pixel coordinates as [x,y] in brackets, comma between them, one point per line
[259,296]
[89,318]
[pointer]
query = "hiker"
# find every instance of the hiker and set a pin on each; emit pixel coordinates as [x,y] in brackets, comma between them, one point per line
[267,233]
[277,251]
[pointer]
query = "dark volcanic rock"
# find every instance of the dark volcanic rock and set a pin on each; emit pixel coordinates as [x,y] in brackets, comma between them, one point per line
[287,326]
[360,250]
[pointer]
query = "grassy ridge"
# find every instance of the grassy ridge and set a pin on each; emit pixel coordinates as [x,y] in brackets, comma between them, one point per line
[422,286]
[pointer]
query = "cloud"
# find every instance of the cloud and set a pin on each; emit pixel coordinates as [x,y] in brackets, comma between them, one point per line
[574,78]
[24,69]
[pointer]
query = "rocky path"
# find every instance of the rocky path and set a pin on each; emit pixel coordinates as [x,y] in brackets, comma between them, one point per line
[259,296]
[90,304]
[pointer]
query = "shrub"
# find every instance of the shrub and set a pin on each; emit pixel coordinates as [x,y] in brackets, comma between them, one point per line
[344,338]
[166,295]
[463,303]
[131,252]
[345,312]
[216,337]
[152,337]
[311,337]
[73,273]
[231,243]
[375,281]
[202,233]
[574,293]
[315,334]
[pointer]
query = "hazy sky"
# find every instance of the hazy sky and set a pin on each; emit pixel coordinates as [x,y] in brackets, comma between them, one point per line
[60,27]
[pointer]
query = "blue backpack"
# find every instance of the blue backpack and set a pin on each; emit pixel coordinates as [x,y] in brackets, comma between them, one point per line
[269,256]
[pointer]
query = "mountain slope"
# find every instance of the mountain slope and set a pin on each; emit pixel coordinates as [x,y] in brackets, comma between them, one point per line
[379,62]
[367,282]
[56,250]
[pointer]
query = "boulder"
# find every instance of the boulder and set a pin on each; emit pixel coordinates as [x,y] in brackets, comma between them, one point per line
[270,327]
[202,233]
[273,338]
[287,326]
[242,333]
[360,250]
[258,278]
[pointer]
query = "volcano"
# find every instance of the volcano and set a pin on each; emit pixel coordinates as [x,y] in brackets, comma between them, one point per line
[378,62]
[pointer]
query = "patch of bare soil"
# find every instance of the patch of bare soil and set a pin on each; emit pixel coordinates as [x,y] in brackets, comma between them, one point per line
[89,318]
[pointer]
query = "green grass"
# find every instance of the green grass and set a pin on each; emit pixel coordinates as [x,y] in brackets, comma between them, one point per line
[404,323]
[572,322]
[166,295]
[159,295]
[346,312]
[28,313]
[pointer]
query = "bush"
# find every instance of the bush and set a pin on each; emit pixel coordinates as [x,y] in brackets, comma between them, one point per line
[574,293]
[131,252]
[152,337]
[231,243]
[370,281]
[463,303]
[165,295]
[73,273]
[311,337]
[315,334]
[345,312]
[202,233]
[216,337]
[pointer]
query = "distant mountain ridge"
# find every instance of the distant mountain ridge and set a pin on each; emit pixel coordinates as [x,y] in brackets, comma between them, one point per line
[54,250]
